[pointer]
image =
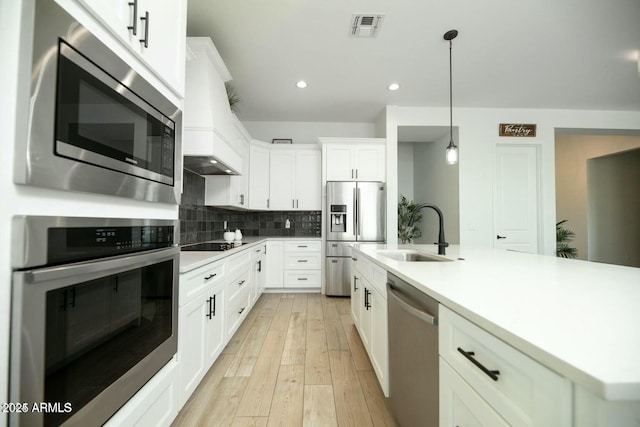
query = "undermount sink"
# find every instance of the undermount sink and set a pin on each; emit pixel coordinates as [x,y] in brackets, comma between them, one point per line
[411,255]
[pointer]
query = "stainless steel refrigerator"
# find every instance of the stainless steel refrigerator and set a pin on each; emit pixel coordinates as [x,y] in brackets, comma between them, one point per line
[355,213]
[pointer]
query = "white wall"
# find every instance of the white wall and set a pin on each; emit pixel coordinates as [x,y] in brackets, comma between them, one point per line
[613,183]
[405,170]
[437,183]
[308,132]
[571,154]
[16,34]
[478,136]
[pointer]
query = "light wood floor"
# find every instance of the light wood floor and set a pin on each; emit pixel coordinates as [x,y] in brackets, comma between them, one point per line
[297,360]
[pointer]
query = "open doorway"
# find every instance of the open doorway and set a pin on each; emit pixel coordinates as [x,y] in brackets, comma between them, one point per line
[424,177]
[573,150]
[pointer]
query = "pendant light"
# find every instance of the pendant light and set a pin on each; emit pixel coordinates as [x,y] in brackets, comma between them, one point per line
[452,150]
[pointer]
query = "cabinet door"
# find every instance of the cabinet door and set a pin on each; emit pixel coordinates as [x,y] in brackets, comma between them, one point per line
[116,16]
[281,180]
[339,163]
[166,32]
[370,164]
[460,405]
[379,342]
[275,264]
[214,341]
[192,337]
[365,313]
[258,178]
[356,297]
[308,181]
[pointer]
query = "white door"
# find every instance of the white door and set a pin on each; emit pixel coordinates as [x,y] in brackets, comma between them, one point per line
[516,198]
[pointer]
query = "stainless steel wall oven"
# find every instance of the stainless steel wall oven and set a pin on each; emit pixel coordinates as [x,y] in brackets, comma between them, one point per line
[94,314]
[95,125]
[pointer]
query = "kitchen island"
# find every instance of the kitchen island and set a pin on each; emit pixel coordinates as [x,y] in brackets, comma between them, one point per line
[579,319]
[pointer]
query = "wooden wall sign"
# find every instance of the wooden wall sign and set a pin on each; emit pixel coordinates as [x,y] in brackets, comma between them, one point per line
[512,129]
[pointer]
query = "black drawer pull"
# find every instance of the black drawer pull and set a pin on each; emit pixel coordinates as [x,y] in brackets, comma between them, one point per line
[303,260]
[302,246]
[469,355]
[302,278]
[211,276]
[241,310]
[241,283]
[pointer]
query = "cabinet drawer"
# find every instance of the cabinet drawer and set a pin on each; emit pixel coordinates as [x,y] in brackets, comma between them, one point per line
[237,310]
[237,285]
[193,282]
[301,261]
[302,246]
[522,391]
[238,262]
[302,279]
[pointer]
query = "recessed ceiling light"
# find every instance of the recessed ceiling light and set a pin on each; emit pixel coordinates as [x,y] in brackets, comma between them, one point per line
[394,86]
[213,161]
[228,171]
[301,84]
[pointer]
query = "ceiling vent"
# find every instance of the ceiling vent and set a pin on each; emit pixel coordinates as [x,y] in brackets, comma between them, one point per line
[365,25]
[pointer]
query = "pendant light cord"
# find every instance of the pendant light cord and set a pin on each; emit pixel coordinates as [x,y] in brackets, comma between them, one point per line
[450,94]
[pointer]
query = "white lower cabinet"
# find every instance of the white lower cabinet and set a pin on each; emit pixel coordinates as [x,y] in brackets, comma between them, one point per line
[460,405]
[294,264]
[519,389]
[201,336]
[369,312]
[156,404]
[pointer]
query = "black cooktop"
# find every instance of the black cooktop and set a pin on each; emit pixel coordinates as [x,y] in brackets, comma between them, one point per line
[212,246]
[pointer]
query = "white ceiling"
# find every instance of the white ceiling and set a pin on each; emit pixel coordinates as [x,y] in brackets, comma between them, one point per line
[576,54]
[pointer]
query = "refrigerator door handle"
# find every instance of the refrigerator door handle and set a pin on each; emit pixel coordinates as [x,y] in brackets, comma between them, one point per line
[355,212]
[358,219]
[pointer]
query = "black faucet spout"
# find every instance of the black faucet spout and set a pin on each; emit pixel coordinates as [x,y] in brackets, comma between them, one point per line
[442,244]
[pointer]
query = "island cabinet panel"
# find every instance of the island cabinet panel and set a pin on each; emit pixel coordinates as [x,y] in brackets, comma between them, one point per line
[592,411]
[369,313]
[522,391]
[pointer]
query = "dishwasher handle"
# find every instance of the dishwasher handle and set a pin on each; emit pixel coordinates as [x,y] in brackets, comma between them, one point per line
[422,315]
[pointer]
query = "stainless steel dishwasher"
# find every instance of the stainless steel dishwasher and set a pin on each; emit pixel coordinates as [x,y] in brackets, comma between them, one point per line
[413,354]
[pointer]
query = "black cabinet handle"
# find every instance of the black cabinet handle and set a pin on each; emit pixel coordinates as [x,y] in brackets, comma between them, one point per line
[303,278]
[145,18]
[134,25]
[241,310]
[354,259]
[210,304]
[367,305]
[241,282]
[355,283]
[303,260]
[213,312]
[302,246]
[211,276]
[500,237]
[259,266]
[469,355]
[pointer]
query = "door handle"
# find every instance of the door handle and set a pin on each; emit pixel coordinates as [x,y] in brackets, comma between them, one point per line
[145,40]
[493,374]
[355,283]
[134,23]
[355,210]
[209,301]
[500,237]
[358,208]
[211,276]
[422,315]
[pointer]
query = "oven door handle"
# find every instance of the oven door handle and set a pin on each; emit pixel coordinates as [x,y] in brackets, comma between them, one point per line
[89,270]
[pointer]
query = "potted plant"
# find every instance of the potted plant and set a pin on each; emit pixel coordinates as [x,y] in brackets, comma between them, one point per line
[232,96]
[563,237]
[406,234]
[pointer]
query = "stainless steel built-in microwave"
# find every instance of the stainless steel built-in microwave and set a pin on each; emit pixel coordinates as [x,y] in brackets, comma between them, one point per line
[95,125]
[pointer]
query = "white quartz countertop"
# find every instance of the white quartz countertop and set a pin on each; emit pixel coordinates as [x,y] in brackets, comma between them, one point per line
[191,260]
[580,319]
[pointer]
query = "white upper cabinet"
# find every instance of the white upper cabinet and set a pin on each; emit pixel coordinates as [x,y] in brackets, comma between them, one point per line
[282,164]
[284,178]
[154,31]
[308,180]
[258,177]
[354,159]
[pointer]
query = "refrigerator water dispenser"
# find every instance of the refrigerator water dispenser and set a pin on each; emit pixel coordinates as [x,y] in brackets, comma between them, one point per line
[338,218]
